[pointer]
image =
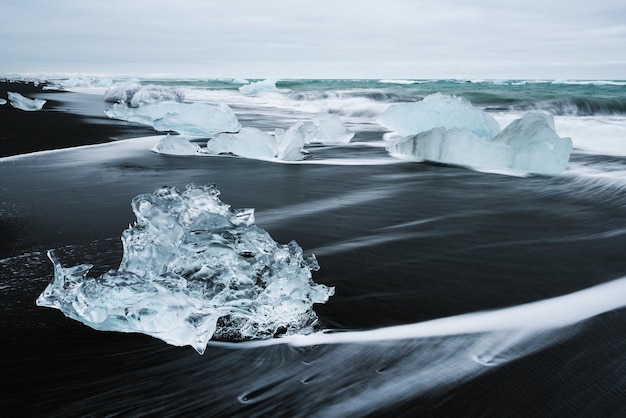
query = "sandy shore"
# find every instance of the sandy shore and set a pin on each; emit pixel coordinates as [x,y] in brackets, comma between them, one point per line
[67,119]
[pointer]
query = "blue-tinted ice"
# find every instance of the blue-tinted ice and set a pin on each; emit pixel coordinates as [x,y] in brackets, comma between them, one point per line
[24,103]
[449,130]
[193,269]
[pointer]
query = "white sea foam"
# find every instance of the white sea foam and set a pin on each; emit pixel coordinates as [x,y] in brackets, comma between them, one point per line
[554,313]
[399,81]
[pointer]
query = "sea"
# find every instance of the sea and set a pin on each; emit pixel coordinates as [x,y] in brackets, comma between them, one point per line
[458,292]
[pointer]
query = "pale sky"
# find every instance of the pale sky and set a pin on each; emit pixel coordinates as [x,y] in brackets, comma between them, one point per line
[529,39]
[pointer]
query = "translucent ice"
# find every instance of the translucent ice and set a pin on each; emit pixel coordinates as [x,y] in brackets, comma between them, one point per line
[529,144]
[136,95]
[2,102]
[121,93]
[24,103]
[327,128]
[199,119]
[176,145]
[155,94]
[248,143]
[254,143]
[538,148]
[193,269]
[438,110]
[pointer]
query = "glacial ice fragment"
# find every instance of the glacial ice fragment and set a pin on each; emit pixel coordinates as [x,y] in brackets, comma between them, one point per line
[248,143]
[528,144]
[176,145]
[121,93]
[155,93]
[24,103]
[200,119]
[327,128]
[254,143]
[2,102]
[538,148]
[438,110]
[136,95]
[193,269]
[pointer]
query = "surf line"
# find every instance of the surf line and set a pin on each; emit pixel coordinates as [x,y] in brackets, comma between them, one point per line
[557,312]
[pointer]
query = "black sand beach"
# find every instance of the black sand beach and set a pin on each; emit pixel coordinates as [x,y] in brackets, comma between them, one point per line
[67,119]
[402,243]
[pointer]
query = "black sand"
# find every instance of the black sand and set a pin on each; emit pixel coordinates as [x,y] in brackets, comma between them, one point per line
[67,119]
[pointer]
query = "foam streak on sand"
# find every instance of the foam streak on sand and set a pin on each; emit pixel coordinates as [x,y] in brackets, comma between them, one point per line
[543,315]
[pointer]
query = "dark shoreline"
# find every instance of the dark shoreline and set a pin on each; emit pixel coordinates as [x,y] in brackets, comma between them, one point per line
[67,120]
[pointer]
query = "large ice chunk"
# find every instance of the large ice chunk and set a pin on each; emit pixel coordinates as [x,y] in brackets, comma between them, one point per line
[438,110]
[538,148]
[24,103]
[201,119]
[193,269]
[529,144]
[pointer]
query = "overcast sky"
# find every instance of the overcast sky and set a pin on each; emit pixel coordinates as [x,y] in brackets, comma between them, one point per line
[527,39]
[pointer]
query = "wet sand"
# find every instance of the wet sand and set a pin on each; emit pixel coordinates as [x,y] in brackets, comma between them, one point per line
[67,119]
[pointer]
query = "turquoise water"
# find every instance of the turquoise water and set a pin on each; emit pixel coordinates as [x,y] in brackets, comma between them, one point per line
[575,98]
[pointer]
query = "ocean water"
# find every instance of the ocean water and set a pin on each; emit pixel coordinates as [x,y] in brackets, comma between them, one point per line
[458,292]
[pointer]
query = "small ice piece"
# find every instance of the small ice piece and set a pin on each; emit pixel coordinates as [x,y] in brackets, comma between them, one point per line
[248,143]
[2,101]
[176,145]
[24,103]
[252,89]
[529,144]
[438,110]
[193,269]
[196,119]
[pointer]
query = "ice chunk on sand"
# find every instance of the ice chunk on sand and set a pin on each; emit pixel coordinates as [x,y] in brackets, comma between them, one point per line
[254,143]
[257,87]
[193,269]
[121,93]
[327,128]
[248,143]
[2,102]
[136,95]
[529,144]
[438,110]
[176,145]
[284,144]
[154,94]
[24,103]
[290,142]
[199,119]
[538,148]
